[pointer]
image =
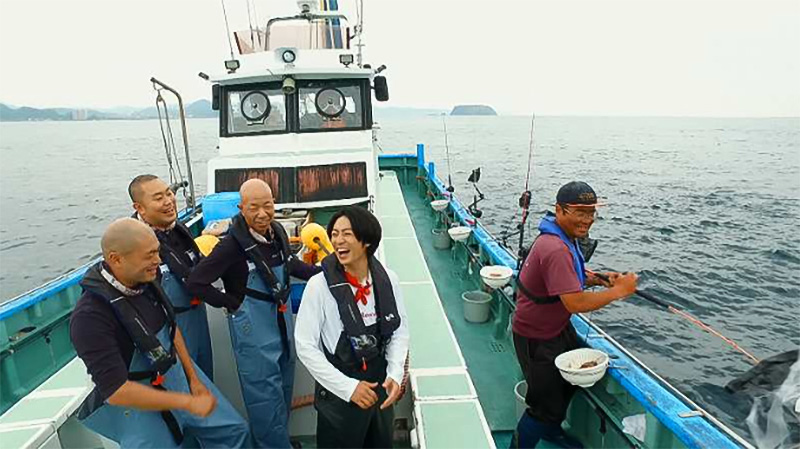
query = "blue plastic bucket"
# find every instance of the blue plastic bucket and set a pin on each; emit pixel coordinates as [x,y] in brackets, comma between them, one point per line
[220,206]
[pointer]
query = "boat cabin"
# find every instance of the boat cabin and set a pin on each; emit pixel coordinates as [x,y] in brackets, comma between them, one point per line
[298,117]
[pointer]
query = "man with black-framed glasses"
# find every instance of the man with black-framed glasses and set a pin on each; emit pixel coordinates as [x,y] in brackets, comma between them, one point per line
[550,289]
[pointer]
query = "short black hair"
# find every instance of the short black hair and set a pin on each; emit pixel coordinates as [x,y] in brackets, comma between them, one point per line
[366,228]
[133,187]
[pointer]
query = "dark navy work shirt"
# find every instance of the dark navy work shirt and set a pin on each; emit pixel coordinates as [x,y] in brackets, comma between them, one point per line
[228,262]
[102,342]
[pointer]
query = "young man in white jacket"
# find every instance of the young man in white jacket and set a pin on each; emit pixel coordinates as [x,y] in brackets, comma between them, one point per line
[351,333]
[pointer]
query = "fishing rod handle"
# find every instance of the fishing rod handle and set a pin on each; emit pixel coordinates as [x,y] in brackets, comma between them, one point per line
[644,295]
[652,299]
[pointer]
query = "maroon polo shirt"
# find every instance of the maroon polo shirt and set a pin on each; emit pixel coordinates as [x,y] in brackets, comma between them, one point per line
[548,271]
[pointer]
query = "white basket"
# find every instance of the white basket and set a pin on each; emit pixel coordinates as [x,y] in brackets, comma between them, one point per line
[569,364]
[439,205]
[459,233]
[496,276]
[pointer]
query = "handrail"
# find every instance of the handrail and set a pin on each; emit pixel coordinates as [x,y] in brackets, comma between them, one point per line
[304,16]
[191,202]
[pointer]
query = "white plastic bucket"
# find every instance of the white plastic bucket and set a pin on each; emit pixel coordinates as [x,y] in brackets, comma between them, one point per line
[477,305]
[520,390]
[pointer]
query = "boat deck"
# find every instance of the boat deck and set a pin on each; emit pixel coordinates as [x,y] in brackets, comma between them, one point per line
[451,358]
[498,369]
[444,396]
[41,418]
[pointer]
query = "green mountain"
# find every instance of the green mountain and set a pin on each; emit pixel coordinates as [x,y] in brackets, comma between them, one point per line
[201,109]
[8,114]
[196,109]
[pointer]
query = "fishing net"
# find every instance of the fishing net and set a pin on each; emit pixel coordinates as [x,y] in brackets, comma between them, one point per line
[774,385]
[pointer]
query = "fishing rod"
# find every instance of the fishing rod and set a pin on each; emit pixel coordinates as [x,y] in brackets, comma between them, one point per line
[524,204]
[685,315]
[450,187]
[525,198]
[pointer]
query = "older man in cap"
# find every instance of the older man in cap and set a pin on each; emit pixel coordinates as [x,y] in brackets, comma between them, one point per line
[550,289]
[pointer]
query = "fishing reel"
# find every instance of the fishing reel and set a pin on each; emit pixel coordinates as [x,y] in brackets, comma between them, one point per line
[525,204]
[525,200]
[474,177]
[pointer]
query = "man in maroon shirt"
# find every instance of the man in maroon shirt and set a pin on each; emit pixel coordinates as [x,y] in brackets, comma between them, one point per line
[549,290]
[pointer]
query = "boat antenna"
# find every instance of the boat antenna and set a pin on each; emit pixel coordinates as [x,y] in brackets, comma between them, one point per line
[228,28]
[258,33]
[250,23]
[450,187]
[359,30]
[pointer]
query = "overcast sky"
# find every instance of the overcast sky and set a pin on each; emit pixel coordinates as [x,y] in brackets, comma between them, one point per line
[639,57]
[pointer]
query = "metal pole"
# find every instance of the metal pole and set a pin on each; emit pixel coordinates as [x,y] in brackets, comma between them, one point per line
[185,141]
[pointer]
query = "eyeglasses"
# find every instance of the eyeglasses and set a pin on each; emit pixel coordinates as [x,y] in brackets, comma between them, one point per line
[582,214]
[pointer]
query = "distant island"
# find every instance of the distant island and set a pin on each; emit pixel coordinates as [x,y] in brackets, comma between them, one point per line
[473,109]
[197,109]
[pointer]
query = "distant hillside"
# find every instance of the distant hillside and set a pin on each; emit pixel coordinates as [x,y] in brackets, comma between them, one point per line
[8,114]
[197,109]
[473,109]
[201,109]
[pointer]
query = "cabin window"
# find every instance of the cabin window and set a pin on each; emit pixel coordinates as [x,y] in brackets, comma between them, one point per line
[329,106]
[256,111]
[316,106]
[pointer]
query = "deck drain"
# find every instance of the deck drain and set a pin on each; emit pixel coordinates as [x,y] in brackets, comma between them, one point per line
[497,347]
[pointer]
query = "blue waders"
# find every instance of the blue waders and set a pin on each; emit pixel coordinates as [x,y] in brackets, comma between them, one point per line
[192,320]
[265,362]
[132,428]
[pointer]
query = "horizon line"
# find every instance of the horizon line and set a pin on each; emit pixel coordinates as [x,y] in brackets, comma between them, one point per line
[430,108]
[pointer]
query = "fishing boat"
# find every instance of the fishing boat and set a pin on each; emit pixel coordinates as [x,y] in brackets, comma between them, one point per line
[296,110]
